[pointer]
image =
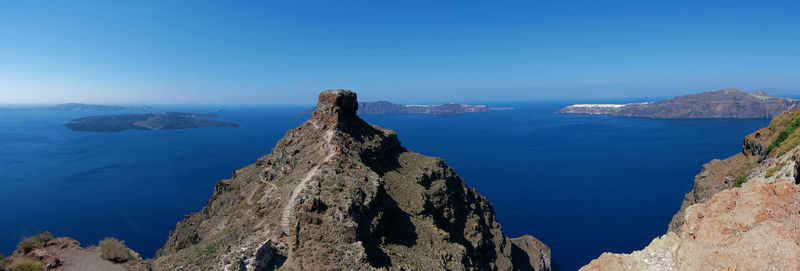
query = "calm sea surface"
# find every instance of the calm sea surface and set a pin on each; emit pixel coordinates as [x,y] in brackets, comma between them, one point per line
[582,184]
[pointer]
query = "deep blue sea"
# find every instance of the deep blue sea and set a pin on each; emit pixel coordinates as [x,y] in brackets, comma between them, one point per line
[582,184]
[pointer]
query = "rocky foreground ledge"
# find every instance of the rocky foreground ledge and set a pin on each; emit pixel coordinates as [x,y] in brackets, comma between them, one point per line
[46,252]
[743,213]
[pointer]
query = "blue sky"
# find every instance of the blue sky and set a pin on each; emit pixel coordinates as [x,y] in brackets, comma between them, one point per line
[284,52]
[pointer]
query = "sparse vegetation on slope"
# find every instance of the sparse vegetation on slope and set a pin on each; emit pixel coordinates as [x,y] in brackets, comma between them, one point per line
[739,180]
[789,137]
[771,171]
[34,241]
[27,265]
[114,250]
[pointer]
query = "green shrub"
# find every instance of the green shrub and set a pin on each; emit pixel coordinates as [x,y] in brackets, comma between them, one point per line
[114,250]
[739,180]
[771,171]
[778,120]
[27,265]
[34,241]
[784,134]
[789,143]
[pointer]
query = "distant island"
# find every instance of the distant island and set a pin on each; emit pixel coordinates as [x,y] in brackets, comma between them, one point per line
[386,108]
[726,103]
[76,107]
[168,121]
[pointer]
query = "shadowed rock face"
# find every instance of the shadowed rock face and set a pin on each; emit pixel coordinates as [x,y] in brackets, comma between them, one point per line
[340,193]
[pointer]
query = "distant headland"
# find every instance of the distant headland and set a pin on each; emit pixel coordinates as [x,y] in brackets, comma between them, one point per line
[386,108]
[75,107]
[168,121]
[726,103]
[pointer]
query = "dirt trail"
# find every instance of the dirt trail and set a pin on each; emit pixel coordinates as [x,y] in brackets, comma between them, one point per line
[82,260]
[288,210]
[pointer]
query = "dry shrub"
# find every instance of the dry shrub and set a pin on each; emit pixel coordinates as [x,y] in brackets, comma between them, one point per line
[114,250]
[27,265]
[34,241]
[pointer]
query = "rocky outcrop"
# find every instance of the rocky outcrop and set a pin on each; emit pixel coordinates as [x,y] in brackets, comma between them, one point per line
[66,254]
[719,175]
[726,103]
[715,176]
[743,214]
[339,193]
[529,253]
[755,227]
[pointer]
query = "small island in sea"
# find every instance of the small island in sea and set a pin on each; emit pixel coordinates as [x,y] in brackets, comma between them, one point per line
[726,103]
[150,121]
[75,107]
[385,108]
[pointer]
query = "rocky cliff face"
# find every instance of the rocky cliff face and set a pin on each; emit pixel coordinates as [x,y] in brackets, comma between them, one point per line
[719,175]
[339,193]
[726,103]
[744,213]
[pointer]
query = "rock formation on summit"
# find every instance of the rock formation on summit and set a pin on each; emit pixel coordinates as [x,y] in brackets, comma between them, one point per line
[726,103]
[743,214]
[339,193]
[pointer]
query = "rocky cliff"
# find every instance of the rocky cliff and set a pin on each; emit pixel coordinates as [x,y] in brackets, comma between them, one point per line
[339,193]
[726,103]
[743,214]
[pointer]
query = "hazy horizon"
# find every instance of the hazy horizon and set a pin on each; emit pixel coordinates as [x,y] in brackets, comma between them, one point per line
[187,52]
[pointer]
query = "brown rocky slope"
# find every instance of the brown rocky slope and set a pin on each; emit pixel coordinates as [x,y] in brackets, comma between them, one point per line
[744,213]
[338,193]
[45,252]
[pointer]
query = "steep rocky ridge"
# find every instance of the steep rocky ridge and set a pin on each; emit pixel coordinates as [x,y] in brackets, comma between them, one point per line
[744,213]
[719,175]
[338,193]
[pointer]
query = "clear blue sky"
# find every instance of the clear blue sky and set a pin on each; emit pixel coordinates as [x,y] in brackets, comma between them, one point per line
[284,52]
